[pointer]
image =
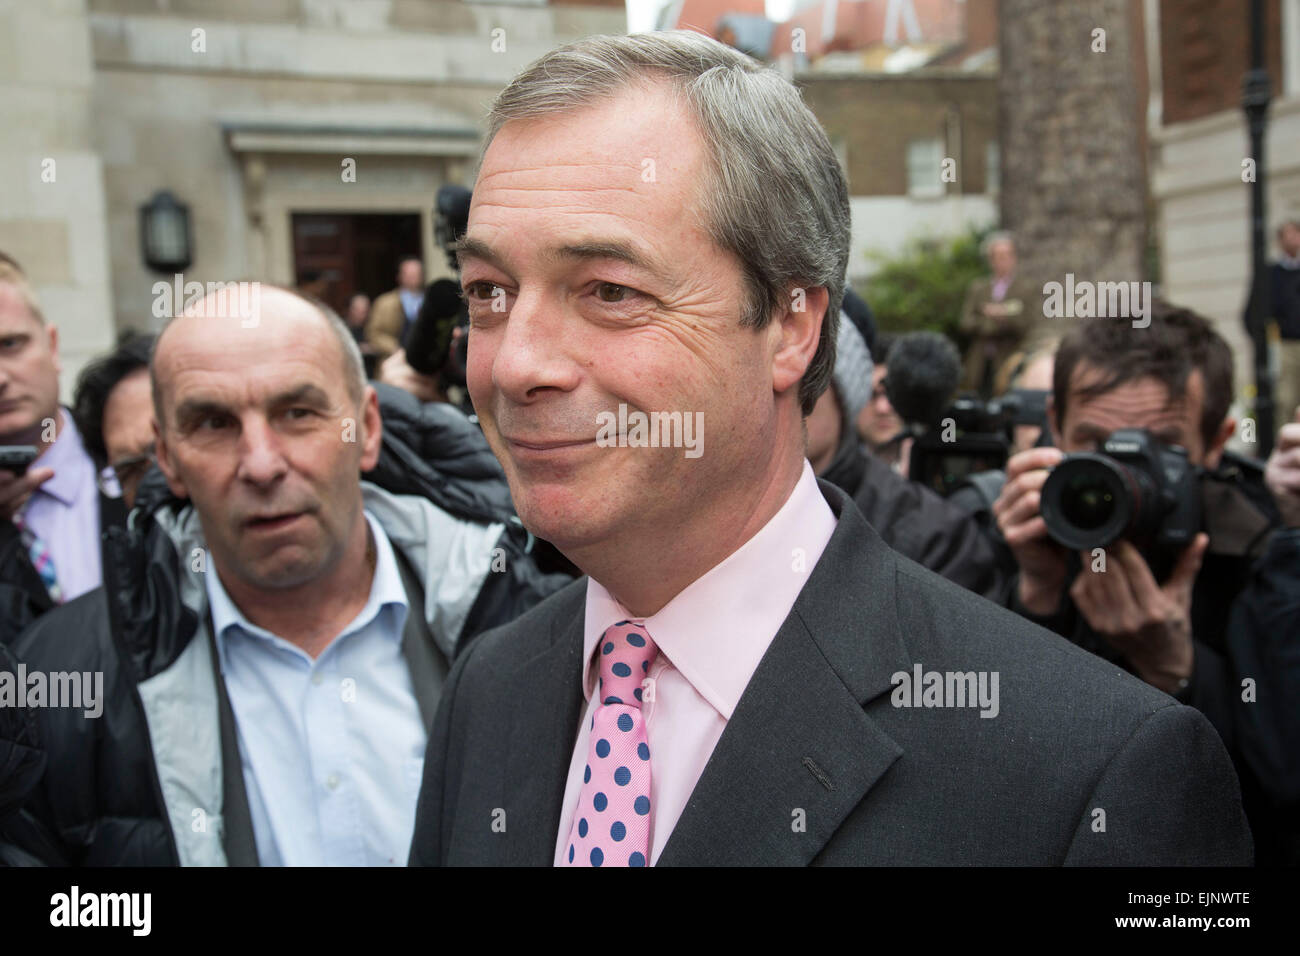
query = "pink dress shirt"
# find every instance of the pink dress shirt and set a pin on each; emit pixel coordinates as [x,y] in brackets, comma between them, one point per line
[1000,287]
[711,637]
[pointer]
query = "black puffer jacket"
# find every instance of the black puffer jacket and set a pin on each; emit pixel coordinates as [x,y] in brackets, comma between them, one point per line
[915,521]
[1264,650]
[23,597]
[123,788]
[22,759]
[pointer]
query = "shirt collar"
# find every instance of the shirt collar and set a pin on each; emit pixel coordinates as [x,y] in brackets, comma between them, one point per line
[386,590]
[718,628]
[74,472]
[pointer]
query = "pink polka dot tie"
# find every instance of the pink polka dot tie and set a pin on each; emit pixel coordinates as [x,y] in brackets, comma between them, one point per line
[611,824]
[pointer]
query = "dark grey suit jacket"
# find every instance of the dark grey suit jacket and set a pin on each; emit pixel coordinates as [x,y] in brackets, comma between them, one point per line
[1083,764]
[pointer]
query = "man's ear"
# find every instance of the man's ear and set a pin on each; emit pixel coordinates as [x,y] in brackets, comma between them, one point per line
[797,330]
[166,463]
[1214,453]
[53,331]
[372,426]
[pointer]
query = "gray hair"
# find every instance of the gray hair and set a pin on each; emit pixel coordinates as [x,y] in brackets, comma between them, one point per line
[774,194]
[1001,235]
[354,366]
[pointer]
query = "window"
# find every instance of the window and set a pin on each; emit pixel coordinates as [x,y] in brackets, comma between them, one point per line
[992,167]
[841,147]
[924,168]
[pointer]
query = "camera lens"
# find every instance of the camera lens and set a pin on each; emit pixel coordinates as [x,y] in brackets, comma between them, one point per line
[1087,501]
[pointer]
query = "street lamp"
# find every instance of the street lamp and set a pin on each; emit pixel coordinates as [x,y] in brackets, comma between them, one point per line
[1255,95]
[165,238]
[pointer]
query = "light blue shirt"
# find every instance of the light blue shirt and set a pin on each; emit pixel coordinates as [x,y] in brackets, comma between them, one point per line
[332,749]
[411,302]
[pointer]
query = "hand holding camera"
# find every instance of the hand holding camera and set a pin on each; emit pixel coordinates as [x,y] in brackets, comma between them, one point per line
[1132,511]
[1283,473]
[17,482]
[1040,559]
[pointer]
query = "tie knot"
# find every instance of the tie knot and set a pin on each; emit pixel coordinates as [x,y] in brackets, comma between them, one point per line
[626,651]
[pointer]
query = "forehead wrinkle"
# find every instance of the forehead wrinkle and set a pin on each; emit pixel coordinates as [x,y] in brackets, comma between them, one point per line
[583,249]
[557,168]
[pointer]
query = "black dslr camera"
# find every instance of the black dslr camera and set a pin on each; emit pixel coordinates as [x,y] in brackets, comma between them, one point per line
[1136,488]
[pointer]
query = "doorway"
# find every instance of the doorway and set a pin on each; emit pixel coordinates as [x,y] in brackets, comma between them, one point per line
[348,253]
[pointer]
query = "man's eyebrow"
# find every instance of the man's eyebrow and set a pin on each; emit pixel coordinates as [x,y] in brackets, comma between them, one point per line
[192,409]
[609,249]
[469,248]
[307,392]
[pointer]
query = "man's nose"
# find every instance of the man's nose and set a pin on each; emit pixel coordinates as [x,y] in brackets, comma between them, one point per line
[261,456]
[534,351]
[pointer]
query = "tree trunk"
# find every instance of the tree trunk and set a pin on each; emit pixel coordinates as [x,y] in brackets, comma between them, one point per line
[1072,189]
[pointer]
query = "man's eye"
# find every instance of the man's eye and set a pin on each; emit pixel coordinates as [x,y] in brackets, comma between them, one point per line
[212,422]
[298,412]
[611,292]
[481,290]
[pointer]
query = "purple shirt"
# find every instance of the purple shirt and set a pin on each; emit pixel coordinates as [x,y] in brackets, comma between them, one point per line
[64,511]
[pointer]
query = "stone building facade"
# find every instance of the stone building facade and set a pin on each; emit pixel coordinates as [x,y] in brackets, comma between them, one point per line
[282,124]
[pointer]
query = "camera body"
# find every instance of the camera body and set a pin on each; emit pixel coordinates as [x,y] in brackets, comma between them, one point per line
[1136,488]
[972,435]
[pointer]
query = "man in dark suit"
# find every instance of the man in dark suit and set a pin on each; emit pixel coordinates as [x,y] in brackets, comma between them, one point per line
[748,675]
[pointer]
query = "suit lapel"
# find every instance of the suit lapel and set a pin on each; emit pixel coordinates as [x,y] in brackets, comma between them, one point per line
[549,699]
[799,753]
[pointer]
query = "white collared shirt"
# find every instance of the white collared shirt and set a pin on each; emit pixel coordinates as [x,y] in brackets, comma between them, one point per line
[332,748]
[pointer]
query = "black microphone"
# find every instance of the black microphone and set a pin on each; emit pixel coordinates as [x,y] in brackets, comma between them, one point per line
[429,340]
[924,370]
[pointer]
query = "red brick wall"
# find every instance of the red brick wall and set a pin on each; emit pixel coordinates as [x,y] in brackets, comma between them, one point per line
[1205,52]
[876,115]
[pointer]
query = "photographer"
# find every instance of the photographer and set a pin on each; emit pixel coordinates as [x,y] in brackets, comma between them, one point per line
[1264,649]
[912,519]
[1174,380]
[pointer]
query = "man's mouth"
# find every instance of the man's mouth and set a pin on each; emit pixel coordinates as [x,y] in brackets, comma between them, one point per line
[273,522]
[538,444]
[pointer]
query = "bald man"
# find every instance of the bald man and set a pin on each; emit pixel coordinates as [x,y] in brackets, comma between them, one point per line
[329,608]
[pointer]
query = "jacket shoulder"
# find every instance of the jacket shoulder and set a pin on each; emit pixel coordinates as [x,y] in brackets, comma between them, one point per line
[73,635]
[1042,668]
[533,631]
